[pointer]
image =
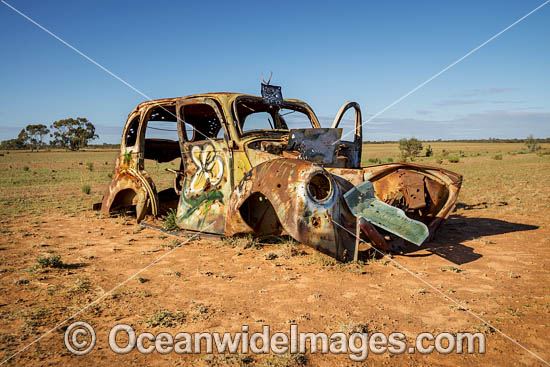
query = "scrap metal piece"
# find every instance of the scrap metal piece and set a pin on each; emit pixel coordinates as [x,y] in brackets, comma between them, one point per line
[315,145]
[363,203]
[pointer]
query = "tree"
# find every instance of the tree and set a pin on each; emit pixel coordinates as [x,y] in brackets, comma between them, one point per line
[12,144]
[410,148]
[33,135]
[72,133]
[531,144]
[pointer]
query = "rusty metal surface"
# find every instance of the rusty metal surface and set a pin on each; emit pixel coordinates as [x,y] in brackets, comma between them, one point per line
[314,145]
[283,182]
[274,181]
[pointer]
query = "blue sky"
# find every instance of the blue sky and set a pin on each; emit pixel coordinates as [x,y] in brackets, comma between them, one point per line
[371,52]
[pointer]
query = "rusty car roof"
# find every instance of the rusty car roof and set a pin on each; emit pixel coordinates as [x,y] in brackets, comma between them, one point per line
[231,95]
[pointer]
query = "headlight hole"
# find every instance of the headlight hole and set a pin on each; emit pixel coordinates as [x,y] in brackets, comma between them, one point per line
[319,187]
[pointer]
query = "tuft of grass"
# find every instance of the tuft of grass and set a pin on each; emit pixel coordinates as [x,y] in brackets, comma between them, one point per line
[170,220]
[36,317]
[231,241]
[454,269]
[324,260]
[165,318]
[453,159]
[286,360]
[142,280]
[484,328]
[252,242]
[52,261]
[26,168]
[271,256]
[288,249]
[173,244]
[199,311]
[89,166]
[225,360]
[497,157]
[86,189]
[353,327]
[82,285]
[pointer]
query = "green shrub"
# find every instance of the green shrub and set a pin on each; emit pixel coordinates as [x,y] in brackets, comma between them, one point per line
[86,189]
[165,319]
[374,160]
[410,148]
[453,159]
[53,261]
[429,151]
[497,157]
[89,166]
[26,168]
[170,220]
[531,144]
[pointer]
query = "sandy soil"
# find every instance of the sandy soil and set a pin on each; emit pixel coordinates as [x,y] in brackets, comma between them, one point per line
[503,266]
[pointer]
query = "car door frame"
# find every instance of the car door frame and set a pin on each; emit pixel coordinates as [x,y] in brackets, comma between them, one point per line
[186,147]
[355,146]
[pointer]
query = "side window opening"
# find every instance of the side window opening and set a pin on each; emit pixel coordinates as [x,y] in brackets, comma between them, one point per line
[201,122]
[131,134]
[163,155]
[348,125]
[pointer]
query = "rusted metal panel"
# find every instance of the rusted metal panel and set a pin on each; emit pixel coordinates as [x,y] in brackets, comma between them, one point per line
[284,183]
[364,204]
[314,145]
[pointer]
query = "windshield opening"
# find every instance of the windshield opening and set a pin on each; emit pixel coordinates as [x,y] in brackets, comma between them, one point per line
[253,114]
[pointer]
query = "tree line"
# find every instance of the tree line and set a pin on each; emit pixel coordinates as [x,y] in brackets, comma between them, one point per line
[489,140]
[412,148]
[70,133]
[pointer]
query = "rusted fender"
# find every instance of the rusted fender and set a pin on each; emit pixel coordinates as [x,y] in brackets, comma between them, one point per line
[426,193]
[284,183]
[441,185]
[130,188]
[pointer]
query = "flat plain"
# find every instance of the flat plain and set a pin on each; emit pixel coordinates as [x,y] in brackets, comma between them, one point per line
[57,255]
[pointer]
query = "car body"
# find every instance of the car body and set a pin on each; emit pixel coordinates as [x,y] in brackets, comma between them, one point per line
[265,167]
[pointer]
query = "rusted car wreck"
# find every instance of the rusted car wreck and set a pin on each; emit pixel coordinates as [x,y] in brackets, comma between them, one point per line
[264,166]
